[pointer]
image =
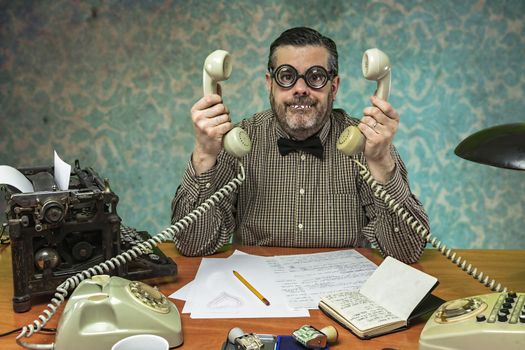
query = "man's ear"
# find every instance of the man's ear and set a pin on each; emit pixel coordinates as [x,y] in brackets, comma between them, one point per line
[268,82]
[335,86]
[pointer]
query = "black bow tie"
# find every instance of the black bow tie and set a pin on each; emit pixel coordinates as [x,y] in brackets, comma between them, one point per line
[311,145]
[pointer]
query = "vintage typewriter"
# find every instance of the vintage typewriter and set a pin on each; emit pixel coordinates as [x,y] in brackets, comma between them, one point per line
[55,234]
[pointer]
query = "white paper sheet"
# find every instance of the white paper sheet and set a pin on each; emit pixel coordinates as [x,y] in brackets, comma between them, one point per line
[182,293]
[217,293]
[185,291]
[12,177]
[304,278]
[62,173]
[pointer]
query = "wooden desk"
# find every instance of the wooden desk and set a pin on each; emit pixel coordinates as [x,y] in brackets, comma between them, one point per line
[507,266]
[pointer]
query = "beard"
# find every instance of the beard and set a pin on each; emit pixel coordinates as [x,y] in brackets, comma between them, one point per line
[302,116]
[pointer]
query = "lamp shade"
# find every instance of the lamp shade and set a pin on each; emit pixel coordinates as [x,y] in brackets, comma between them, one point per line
[502,146]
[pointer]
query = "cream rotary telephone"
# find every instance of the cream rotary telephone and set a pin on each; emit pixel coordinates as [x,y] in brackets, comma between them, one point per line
[103,310]
[375,66]
[489,321]
[485,321]
[218,67]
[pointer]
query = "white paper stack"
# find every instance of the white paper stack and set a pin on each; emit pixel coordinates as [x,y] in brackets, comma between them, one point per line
[291,283]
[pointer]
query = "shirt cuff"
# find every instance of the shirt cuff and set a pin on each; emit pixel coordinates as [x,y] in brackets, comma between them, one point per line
[198,186]
[396,187]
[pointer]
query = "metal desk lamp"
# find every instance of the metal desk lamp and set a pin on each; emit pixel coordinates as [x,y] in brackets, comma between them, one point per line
[502,146]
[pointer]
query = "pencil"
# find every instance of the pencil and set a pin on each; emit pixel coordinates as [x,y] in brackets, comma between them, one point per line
[251,288]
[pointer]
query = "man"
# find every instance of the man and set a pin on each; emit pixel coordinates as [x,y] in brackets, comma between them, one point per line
[298,198]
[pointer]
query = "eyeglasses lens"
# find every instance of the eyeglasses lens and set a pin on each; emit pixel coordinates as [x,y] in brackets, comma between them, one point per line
[315,77]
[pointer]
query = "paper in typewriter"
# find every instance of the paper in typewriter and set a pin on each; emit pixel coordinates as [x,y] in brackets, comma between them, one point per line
[14,178]
[62,172]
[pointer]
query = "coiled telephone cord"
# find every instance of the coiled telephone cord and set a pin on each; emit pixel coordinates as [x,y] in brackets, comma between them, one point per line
[167,234]
[420,229]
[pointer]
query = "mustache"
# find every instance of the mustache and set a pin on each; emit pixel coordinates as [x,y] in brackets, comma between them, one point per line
[301,100]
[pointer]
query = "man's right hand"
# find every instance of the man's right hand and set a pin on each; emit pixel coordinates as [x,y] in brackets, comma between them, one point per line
[211,121]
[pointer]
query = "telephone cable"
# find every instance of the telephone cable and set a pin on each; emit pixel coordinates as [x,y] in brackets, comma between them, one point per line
[167,234]
[420,229]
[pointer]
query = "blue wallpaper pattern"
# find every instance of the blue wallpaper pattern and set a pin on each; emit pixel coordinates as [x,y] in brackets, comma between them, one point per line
[111,83]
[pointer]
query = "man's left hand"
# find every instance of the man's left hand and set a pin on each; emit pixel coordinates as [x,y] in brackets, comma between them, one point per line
[379,125]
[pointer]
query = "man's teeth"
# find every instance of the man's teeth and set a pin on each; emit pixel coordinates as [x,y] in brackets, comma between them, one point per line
[300,106]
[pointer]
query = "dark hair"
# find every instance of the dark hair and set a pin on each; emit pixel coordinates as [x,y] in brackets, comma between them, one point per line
[303,36]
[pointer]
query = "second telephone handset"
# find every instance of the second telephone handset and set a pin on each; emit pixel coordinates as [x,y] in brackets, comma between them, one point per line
[375,66]
[218,67]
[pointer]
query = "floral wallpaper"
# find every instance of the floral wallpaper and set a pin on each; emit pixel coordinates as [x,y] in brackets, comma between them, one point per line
[111,83]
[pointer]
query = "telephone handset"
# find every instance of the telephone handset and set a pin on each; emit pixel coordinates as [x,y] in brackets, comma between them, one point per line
[488,321]
[218,67]
[375,66]
[103,310]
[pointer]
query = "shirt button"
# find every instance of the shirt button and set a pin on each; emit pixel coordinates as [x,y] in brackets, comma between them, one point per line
[396,229]
[303,157]
[197,186]
[301,191]
[300,226]
[207,185]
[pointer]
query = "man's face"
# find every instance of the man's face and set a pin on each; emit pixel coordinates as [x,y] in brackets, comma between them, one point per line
[301,110]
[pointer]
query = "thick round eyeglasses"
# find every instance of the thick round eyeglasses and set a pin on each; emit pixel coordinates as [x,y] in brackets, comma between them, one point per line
[315,77]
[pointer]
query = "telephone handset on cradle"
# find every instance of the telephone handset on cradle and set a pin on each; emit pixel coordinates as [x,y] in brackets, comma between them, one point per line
[375,66]
[218,67]
[490,321]
[103,310]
